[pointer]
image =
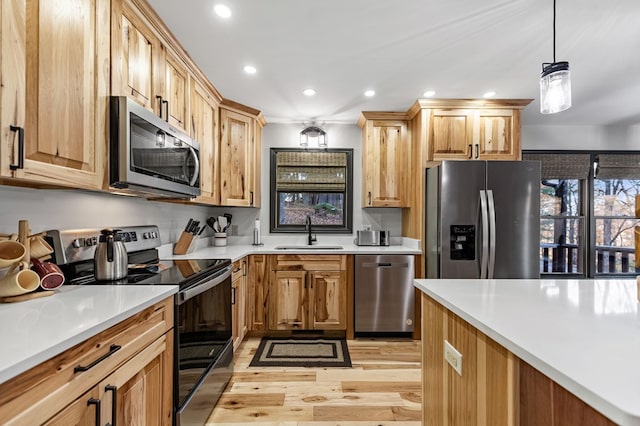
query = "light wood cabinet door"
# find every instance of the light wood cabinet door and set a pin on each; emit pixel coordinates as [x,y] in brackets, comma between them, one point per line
[384,163]
[451,134]
[139,393]
[289,300]
[258,292]
[239,302]
[136,56]
[203,128]
[328,294]
[495,137]
[176,90]
[82,412]
[55,87]
[236,158]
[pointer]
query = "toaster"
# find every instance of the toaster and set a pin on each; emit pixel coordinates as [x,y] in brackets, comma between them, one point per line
[372,238]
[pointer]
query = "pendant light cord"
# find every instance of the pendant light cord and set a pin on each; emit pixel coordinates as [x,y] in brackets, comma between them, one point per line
[554,31]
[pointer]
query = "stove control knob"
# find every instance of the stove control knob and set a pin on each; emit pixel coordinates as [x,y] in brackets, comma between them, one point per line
[154,234]
[91,241]
[78,242]
[145,235]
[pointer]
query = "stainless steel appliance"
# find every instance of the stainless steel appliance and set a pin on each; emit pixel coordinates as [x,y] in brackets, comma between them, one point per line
[483,219]
[372,238]
[148,156]
[110,258]
[203,347]
[384,294]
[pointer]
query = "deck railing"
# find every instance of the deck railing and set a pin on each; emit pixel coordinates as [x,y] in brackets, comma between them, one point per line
[567,259]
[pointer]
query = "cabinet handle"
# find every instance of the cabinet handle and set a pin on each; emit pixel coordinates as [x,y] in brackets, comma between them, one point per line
[477,150]
[20,164]
[369,198]
[233,295]
[114,402]
[166,112]
[251,197]
[112,349]
[96,402]
[470,151]
[244,268]
[160,101]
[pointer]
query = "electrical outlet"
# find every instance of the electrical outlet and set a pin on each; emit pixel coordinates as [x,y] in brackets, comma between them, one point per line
[366,227]
[453,357]
[233,230]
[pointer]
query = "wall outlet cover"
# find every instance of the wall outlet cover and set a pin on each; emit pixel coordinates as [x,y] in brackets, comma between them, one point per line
[453,357]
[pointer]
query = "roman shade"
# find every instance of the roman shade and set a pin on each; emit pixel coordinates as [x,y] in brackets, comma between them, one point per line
[311,171]
[561,166]
[618,166]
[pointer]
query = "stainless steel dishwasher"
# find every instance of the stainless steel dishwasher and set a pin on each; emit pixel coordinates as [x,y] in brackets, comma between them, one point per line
[384,293]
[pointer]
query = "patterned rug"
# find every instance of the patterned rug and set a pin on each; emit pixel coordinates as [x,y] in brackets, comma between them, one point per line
[301,352]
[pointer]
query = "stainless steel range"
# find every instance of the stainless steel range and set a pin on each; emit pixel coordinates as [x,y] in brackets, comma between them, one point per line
[203,350]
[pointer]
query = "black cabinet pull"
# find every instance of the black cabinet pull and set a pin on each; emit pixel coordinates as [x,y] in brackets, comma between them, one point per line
[369,197]
[20,164]
[112,349]
[160,102]
[470,151]
[233,295]
[166,112]
[96,402]
[477,151]
[114,401]
[251,197]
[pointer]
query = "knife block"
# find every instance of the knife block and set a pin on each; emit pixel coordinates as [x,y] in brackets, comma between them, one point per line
[185,244]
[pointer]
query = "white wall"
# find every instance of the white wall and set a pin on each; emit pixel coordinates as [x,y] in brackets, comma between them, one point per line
[623,138]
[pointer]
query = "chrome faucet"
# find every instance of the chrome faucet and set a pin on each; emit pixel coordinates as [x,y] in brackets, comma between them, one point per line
[310,237]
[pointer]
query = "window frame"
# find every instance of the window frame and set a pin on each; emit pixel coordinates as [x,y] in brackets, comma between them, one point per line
[586,208]
[345,228]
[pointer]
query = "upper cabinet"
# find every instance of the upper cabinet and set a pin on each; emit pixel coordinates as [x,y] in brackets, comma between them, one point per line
[240,155]
[385,151]
[145,67]
[55,78]
[459,129]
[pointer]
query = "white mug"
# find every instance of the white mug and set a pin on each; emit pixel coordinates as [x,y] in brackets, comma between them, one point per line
[18,282]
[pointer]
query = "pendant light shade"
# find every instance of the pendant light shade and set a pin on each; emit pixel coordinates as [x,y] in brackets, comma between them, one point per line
[315,134]
[555,88]
[555,81]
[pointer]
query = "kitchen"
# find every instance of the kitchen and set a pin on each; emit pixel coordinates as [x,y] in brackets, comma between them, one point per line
[94,209]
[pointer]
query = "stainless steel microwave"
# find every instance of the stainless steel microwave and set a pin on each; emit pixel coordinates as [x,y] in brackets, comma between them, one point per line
[148,156]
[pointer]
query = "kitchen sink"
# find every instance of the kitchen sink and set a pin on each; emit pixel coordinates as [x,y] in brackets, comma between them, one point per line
[307,247]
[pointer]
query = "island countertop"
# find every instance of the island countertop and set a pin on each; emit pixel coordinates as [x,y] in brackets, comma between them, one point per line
[582,334]
[35,330]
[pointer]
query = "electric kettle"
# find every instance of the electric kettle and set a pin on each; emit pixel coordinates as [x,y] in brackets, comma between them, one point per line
[110,260]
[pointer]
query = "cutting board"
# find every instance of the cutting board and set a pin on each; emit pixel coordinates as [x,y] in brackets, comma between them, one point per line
[27,296]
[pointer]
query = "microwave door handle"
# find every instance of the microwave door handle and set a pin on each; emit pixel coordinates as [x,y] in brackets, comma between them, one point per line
[196,172]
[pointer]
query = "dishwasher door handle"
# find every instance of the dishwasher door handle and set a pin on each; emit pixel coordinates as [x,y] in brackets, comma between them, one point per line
[384,265]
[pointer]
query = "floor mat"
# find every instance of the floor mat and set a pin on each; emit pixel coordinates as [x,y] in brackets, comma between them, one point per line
[301,352]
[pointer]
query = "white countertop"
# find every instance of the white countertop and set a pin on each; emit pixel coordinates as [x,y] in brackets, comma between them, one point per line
[238,251]
[34,331]
[583,334]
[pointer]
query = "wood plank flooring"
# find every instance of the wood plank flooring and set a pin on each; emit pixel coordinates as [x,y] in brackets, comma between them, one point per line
[381,389]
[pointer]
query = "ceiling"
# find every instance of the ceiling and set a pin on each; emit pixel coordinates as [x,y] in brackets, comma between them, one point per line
[400,49]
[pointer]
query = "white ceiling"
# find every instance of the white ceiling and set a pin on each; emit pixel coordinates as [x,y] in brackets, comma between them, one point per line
[459,48]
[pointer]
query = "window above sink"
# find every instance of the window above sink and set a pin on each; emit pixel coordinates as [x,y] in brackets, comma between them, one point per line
[311,182]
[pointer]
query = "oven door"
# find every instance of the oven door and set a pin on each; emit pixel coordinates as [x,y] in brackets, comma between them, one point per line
[203,348]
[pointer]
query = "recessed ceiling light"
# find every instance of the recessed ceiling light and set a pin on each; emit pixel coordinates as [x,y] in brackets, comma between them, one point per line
[429,93]
[489,95]
[369,93]
[222,10]
[309,92]
[249,69]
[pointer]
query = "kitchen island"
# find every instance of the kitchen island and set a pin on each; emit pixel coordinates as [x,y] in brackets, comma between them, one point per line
[548,351]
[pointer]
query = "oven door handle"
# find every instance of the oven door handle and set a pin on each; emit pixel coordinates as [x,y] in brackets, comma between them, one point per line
[197,289]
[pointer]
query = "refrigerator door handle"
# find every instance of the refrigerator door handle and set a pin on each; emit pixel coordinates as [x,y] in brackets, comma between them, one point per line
[484,256]
[492,234]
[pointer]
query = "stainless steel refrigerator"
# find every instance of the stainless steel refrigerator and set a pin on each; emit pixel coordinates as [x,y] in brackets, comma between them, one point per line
[483,219]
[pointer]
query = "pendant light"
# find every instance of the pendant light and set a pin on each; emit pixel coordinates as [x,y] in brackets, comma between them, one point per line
[315,134]
[555,81]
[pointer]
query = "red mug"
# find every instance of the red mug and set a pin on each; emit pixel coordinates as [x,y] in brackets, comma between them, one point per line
[51,276]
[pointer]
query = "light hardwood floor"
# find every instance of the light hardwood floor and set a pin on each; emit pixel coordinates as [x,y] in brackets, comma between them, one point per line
[382,388]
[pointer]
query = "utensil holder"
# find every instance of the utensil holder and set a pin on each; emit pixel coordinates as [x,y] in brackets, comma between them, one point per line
[220,239]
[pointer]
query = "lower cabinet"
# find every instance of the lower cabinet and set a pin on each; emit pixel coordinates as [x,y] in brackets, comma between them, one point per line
[239,302]
[258,292]
[123,375]
[308,292]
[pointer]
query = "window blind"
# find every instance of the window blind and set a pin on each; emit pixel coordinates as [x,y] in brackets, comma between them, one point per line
[561,166]
[618,166]
[311,171]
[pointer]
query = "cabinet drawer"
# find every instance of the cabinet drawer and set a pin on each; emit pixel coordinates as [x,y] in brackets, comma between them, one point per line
[38,394]
[309,262]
